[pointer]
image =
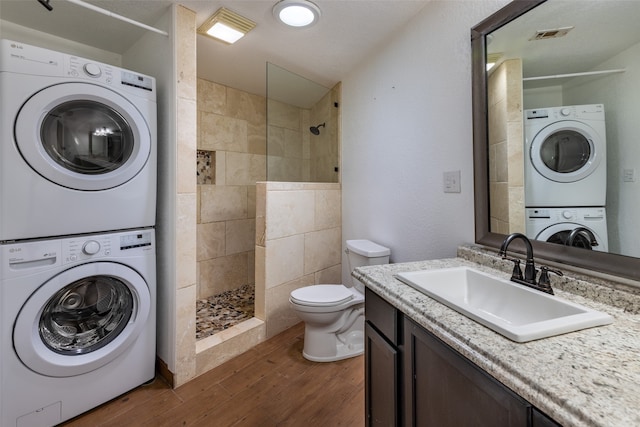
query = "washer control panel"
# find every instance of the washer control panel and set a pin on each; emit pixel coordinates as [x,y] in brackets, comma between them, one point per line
[21,257]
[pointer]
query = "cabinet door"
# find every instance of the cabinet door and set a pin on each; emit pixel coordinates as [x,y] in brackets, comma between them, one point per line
[381,379]
[443,389]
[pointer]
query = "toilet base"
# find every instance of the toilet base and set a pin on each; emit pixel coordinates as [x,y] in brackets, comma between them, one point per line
[345,346]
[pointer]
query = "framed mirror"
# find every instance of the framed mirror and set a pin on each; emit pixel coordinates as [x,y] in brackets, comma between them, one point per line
[551,67]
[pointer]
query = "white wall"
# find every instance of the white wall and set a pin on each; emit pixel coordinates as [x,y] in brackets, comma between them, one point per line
[161,66]
[407,118]
[619,94]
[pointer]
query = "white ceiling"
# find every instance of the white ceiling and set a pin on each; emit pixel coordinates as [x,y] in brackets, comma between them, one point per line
[348,31]
[601,30]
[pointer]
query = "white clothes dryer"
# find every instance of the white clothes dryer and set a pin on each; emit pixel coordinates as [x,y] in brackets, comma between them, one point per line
[78,151]
[554,225]
[77,324]
[565,156]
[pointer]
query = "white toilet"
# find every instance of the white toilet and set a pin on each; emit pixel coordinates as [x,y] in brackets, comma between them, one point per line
[334,314]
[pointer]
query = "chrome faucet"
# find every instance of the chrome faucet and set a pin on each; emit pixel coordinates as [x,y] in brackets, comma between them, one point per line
[584,231]
[530,271]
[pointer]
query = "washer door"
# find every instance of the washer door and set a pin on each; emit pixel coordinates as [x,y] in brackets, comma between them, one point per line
[82,136]
[559,233]
[566,151]
[81,319]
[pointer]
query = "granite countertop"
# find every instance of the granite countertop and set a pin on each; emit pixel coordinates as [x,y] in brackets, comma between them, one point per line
[584,378]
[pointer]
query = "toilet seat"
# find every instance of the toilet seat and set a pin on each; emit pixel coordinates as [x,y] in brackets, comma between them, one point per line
[321,295]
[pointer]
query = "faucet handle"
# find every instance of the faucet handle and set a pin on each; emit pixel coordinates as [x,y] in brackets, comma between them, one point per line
[544,281]
[517,272]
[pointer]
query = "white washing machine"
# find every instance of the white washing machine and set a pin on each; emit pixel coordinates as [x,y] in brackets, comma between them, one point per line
[77,324]
[78,145]
[565,156]
[554,225]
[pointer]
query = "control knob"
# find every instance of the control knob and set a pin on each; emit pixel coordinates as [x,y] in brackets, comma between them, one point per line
[91,247]
[565,112]
[567,214]
[92,70]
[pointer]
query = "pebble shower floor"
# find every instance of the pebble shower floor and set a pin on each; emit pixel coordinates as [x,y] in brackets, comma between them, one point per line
[224,310]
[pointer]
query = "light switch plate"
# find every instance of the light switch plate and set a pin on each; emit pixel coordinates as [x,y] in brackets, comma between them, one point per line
[452,182]
[629,175]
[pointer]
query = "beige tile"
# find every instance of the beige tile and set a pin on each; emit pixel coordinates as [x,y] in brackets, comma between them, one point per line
[257,138]
[215,350]
[280,315]
[246,106]
[329,275]
[211,240]
[283,115]
[289,213]
[251,267]
[186,242]
[185,339]
[284,260]
[292,144]
[275,137]
[222,274]
[328,209]
[222,133]
[517,220]
[499,201]
[245,169]
[501,162]
[186,52]
[212,97]
[187,141]
[322,249]
[240,236]
[260,276]
[221,203]
[251,201]
[220,168]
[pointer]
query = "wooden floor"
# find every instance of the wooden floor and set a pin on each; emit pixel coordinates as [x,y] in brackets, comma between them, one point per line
[270,385]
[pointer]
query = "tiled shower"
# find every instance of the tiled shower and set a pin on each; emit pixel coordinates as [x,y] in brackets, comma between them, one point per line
[231,158]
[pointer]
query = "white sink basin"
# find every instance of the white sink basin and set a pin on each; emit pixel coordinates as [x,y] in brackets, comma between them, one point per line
[515,311]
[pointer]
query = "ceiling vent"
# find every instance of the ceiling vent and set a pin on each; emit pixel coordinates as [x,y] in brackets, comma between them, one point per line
[551,34]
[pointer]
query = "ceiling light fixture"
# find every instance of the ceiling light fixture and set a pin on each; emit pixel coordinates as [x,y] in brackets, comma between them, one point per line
[226,26]
[296,13]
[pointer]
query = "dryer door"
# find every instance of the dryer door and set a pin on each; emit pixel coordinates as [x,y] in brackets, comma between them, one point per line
[559,233]
[82,136]
[567,151]
[81,319]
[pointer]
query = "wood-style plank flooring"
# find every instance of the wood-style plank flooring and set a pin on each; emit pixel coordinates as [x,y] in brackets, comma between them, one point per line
[270,385]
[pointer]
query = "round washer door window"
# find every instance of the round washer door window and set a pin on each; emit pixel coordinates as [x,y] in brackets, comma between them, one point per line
[559,233]
[82,136]
[81,319]
[566,151]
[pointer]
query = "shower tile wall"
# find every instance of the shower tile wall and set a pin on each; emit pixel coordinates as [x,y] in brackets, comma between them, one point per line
[506,167]
[231,133]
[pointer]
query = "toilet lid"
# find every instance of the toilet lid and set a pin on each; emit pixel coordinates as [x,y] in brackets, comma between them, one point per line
[321,295]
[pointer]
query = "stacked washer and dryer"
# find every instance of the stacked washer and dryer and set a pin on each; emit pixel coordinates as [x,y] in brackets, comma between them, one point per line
[77,240]
[565,175]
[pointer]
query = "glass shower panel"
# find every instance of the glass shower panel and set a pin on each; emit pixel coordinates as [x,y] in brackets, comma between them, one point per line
[302,128]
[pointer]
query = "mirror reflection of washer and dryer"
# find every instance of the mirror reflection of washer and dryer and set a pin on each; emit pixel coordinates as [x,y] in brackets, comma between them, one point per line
[565,173]
[77,234]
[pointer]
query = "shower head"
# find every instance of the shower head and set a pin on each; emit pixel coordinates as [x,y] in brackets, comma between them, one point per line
[316,129]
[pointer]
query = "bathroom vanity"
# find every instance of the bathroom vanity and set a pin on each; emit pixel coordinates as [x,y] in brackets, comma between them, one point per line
[426,364]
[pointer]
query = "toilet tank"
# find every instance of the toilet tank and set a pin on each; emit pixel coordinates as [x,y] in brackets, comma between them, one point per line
[365,252]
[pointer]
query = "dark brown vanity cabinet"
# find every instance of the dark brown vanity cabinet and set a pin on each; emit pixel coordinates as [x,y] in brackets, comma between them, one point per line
[414,379]
[382,362]
[445,389]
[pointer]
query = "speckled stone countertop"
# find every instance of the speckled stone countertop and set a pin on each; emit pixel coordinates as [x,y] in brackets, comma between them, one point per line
[584,378]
